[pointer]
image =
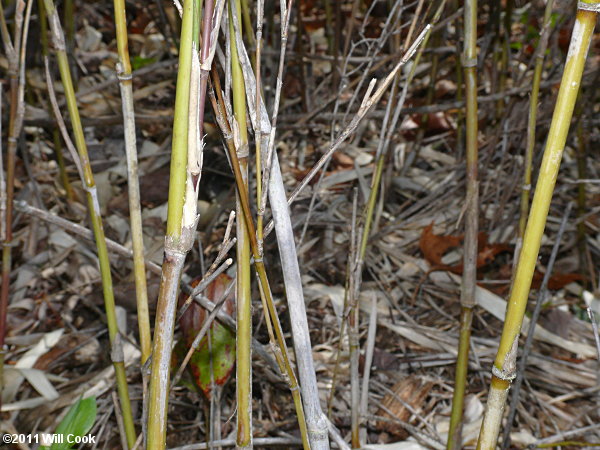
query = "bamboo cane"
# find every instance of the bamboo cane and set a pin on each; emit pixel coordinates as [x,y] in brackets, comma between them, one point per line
[532,119]
[96,219]
[15,55]
[64,177]
[243,295]
[367,218]
[504,54]
[504,369]
[135,214]
[316,421]
[271,319]
[181,226]
[272,184]
[467,298]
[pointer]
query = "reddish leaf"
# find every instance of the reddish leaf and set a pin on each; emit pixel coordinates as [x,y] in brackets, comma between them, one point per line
[434,247]
[221,355]
[556,281]
[436,122]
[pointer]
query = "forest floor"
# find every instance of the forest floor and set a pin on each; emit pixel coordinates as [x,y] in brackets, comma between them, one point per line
[410,295]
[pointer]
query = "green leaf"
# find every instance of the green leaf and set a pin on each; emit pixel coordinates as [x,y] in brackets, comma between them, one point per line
[77,423]
[223,358]
[137,62]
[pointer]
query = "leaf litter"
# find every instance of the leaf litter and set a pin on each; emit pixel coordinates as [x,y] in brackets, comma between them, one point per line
[56,338]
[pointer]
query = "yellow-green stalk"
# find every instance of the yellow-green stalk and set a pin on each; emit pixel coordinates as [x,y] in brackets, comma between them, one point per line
[307,400]
[135,214]
[469,279]
[181,222]
[532,119]
[247,23]
[243,294]
[69,27]
[504,54]
[96,220]
[62,170]
[503,371]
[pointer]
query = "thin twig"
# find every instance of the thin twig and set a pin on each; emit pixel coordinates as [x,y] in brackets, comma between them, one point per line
[79,230]
[367,103]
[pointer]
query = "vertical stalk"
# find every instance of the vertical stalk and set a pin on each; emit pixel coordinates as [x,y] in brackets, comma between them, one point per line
[532,119]
[204,58]
[8,236]
[181,221]
[353,289]
[272,322]
[96,220]
[15,53]
[505,54]
[469,279]
[258,153]
[135,214]
[459,91]
[69,19]
[460,377]
[504,369]
[541,298]
[64,177]
[247,22]
[307,404]
[367,220]
[243,297]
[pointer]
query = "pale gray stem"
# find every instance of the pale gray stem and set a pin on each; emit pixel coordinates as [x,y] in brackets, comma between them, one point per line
[369,349]
[135,211]
[119,417]
[315,419]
